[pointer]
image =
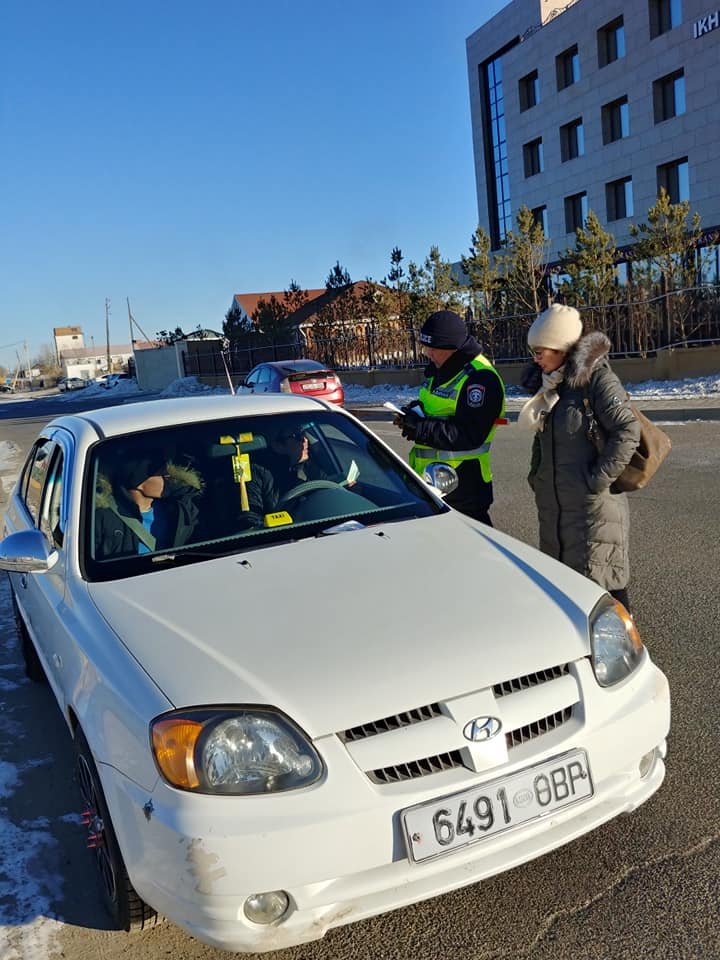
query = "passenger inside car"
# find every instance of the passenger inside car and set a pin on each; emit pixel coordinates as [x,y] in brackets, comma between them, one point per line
[143,504]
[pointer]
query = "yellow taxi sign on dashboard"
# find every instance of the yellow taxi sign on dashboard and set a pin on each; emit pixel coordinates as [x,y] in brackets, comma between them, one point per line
[278,519]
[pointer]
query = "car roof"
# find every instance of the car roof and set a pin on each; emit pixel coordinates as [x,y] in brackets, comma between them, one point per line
[149,414]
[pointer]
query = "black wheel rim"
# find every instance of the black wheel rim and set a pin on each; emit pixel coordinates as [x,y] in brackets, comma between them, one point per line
[103,854]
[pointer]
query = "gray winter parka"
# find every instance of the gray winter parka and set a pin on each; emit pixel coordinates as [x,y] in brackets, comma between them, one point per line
[582,523]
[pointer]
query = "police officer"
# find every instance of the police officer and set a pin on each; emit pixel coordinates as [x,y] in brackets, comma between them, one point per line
[455,416]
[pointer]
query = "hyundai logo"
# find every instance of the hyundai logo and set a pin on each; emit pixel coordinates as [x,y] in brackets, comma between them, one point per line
[482,728]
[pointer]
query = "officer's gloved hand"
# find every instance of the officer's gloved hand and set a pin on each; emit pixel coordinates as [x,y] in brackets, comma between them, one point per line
[410,424]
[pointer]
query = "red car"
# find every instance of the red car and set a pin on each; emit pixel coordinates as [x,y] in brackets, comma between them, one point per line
[304,377]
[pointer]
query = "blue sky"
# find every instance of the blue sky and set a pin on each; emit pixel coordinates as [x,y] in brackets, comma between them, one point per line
[179,153]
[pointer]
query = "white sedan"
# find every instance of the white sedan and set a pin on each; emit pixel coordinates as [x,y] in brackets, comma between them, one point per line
[304,691]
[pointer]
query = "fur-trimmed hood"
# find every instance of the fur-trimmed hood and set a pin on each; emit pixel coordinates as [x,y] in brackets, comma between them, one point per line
[584,358]
[180,478]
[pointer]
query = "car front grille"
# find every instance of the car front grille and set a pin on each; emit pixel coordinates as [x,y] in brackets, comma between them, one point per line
[395,722]
[537,728]
[416,768]
[530,680]
[518,698]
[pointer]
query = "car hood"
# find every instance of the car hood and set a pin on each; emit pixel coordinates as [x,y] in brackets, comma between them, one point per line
[341,630]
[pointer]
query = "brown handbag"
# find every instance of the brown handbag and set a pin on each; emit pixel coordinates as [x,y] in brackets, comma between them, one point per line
[652,449]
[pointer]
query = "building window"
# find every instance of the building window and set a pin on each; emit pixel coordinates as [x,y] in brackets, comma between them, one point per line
[675,178]
[567,66]
[576,209]
[664,15]
[540,216]
[669,96]
[611,42]
[615,120]
[533,157]
[496,160]
[619,199]
[529,91]
[572,140]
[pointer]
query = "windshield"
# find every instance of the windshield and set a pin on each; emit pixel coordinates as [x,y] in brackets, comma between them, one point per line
[190,492]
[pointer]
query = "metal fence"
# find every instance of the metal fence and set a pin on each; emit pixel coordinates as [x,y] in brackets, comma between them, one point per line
[637,328]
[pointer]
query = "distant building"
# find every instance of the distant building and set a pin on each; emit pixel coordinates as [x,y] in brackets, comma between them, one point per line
[67,338]
[305,315]
[248,302]
[90,362]
[587,105]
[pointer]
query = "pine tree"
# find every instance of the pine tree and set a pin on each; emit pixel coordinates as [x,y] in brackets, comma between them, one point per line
[667,251]
[524,265]
[271,319]
[397,281]
[295,298]
[237,328]
[590,270]
[338,278]
[442,286]
[483,284]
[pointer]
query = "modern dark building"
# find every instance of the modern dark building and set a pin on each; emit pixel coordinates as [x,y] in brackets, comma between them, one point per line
[595,105]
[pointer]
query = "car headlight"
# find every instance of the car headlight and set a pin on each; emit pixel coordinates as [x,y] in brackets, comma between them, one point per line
[233,751]
[616,645]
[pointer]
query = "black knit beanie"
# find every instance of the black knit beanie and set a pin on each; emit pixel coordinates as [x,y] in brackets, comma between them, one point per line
[444,330]
[131,473]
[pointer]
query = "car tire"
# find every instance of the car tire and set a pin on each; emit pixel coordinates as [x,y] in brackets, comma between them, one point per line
[126,909]
[34,669]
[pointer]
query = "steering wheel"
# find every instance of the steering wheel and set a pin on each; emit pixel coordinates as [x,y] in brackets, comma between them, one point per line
[307,487]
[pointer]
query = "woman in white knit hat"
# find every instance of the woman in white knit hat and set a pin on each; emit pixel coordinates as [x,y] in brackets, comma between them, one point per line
[582,522]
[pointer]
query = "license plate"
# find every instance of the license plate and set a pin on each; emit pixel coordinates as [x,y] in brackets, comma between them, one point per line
[446,824]
[313,385]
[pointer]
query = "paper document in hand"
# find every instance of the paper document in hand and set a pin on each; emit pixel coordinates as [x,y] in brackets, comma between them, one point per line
[352,474]
[416,408]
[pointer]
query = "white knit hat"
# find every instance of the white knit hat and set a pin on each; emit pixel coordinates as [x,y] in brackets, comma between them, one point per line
[557,328]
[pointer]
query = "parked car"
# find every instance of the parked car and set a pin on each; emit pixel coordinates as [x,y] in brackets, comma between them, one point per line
[305,377]
[113,379]
[6,388]
[71,383]
[301,709]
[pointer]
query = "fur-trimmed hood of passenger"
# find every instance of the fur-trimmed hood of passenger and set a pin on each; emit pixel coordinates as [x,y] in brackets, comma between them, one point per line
[585,357]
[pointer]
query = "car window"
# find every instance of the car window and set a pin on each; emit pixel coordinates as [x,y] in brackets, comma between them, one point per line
[264,375]
[251,378]
[190,492]
[51,521]
[35,475]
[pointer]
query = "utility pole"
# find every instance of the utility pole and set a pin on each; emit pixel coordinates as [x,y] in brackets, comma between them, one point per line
[107,333]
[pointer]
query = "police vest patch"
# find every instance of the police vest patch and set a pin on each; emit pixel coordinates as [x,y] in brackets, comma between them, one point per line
[475,395]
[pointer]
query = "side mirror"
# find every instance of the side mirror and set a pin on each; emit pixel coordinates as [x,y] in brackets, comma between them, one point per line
[27,552]
[442,477]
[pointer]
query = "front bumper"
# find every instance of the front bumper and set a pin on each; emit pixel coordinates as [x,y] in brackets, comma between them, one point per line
[338,848]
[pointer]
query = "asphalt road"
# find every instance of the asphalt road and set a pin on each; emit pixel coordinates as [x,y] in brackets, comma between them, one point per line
[643,886]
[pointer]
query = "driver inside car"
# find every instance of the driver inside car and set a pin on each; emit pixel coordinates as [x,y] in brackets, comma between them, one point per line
[291,460]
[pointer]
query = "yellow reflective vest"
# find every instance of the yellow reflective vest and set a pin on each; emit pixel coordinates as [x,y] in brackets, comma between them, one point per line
[440,401]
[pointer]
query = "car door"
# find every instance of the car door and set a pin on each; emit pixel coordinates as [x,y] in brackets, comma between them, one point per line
[251,379]
[264,382]
[40,596]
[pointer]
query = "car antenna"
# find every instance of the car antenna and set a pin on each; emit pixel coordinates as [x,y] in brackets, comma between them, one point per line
[224,349]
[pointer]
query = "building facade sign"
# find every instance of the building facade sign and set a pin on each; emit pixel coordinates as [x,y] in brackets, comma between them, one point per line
[706,24]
